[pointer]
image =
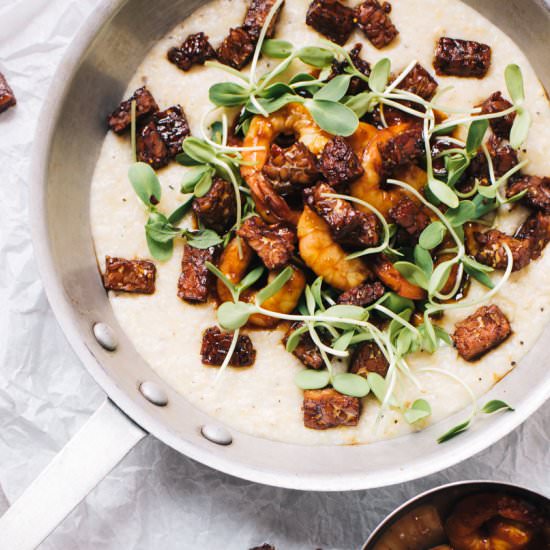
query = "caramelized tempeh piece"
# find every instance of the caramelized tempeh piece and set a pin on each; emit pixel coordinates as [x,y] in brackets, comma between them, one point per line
[306,351]
[537,189]
[328,408]
[216,344]
[466,58]
[237,48]
[137,276]
[217,209]
[369,358]
[348,225]
[121,118]
[420,82]
[536,230]
[195,280]
[195,50]
[491,250]
[7,97]
[410,216]
[160,140]
[503,155]
[332,19]
[374,20]
[401,150]
[339,164]
[256,17]
[290,170]
[480,332]
[274,243]
[495,103]
[362,295]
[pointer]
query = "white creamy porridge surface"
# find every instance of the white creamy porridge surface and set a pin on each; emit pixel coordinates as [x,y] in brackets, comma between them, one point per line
[264,400]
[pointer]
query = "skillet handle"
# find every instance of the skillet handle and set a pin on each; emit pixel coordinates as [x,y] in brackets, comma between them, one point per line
[88,457]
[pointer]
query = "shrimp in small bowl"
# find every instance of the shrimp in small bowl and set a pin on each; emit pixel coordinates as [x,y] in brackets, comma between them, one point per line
[469,515]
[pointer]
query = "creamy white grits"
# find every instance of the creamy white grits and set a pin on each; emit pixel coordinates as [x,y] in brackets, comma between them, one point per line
[264,400]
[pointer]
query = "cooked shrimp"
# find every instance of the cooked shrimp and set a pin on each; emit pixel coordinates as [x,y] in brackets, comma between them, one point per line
[368,187]
[326,257]
[389,275]
[234,266]
[285,301]
[491,522]
[292,118]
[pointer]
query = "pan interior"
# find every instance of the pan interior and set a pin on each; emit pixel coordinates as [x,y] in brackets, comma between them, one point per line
[117,39]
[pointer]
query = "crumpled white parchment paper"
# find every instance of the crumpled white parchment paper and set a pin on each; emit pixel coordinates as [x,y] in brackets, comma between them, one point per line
[156,499]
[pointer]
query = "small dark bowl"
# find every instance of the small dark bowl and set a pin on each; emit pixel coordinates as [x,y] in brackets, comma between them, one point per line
[445,497]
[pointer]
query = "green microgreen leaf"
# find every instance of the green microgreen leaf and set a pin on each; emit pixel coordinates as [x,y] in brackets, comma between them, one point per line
[379,76]
[342,311]
[432,336]
[520,128]
[273,104]
[476,133]
[351,384]
[316,290]
[344,341]
[204,184]
[161,251]
[456,165]
[199,150]
[216,131]
[193,177]
[433,235]
[397,303]
[479,276]
[316,57]
[234,315]
[250,278]
[362,103]
[145,183]
[465,212]
[418,410]
[159,229]
[335,90]
[294,339]
[302,79]
[333,117]
[495,406]
[443,192]
[514,83]
[278,49]
[405,342]
[412,273]
[453,432]
[378,385]
[277,284]
[177,215]
[228,94]
[309,379]
[310,301]
[423,260]
[205,238]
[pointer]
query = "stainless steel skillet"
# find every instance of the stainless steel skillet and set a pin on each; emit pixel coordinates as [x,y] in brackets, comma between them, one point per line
[90,80]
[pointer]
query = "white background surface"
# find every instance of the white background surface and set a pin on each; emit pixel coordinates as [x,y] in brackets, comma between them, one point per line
[156,499]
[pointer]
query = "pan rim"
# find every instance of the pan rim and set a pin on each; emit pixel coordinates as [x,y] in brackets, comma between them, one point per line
[448,455]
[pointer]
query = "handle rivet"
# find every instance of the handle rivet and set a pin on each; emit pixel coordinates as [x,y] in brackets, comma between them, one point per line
[216,434]
[105,336]
[154,393]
